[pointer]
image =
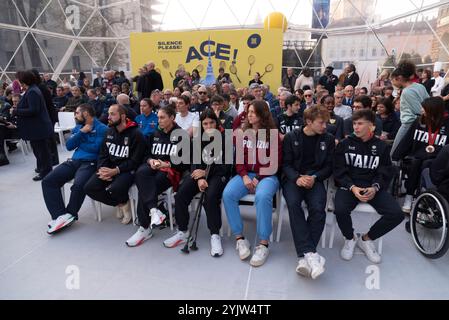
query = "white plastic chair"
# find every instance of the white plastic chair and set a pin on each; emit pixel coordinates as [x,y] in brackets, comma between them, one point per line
[167,195]
[251,198]
[66,121]
[22,145]
[95,204]
[284,210]
[361,208]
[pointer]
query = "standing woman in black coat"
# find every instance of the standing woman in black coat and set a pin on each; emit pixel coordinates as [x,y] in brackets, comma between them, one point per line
[34,123]
[53,114]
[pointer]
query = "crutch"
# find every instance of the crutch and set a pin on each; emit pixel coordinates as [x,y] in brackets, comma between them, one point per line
[196,220]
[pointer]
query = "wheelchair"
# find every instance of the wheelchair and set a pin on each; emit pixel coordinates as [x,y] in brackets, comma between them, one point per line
[397,185]
[429,220]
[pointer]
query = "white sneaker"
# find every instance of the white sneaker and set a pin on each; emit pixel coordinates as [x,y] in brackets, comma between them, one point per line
[157,217]
[61,222]
[216,250]
[369,249]
[316,263]
[178,238]
[127,215]
[303,268]
[139,237]
[347,252]
[260,256]
[407,206]
[243,248]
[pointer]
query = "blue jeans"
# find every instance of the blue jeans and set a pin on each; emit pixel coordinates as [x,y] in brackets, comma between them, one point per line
[265,191]
[80,172]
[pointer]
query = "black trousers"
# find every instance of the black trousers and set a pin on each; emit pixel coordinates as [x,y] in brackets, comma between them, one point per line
[306,233]
[414,174]
[53,150]
[383,202]
[110,193]
[150,183]
[43,156]
[212,197]
[78,170]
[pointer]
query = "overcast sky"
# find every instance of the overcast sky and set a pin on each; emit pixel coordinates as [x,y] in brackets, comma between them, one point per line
[188,14]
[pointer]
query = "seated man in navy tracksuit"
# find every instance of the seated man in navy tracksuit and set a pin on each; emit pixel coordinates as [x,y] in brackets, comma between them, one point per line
[362,168]
[307,162]
[86,140]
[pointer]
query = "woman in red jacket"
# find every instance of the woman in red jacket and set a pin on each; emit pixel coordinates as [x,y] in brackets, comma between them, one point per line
[258,155]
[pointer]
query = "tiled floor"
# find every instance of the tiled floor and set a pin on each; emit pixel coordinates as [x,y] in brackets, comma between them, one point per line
[33,265]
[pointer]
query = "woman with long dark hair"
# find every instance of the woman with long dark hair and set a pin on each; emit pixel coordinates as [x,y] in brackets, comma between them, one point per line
[425,138]
[390,122]
[258,159]
[211,183]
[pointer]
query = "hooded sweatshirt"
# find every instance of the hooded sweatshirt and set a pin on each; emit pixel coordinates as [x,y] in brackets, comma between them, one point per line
[363,164]
[124,150]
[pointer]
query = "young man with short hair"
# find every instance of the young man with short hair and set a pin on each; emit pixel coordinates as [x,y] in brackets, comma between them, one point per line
[361,102]
[290,119]
[362,172]
[307,162]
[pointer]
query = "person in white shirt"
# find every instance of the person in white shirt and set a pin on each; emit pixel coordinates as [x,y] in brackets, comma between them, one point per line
[340,109]
[187,120]
[305,80]
[439,84]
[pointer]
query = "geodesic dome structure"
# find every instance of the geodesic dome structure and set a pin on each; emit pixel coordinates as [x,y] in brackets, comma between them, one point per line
[57,36]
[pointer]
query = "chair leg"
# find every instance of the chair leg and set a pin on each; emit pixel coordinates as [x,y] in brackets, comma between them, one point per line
[23,150]
[169,197]
[63,194]
[99,211]
[323,237]
[280,218]
[133,210]
[61,140]
[332,235]
[95,208]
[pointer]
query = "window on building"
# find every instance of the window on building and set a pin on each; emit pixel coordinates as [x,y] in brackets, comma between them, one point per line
[361,53]
[343,53]
[374,52]
[76,62]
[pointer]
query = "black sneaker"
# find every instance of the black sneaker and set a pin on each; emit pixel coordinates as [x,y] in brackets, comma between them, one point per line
[39,177]
[407,227]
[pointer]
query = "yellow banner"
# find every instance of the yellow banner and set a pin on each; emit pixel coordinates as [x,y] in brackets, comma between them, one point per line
[241,53]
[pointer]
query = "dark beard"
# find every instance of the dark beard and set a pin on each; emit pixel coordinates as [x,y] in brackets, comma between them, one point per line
[114,124]
[81,122]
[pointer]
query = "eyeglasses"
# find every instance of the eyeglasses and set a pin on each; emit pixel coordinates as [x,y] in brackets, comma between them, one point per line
[307,95]
[202,92]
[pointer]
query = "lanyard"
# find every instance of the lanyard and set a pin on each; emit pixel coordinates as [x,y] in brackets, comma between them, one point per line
[432,136]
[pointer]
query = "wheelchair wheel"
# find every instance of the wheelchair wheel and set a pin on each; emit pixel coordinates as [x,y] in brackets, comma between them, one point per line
[429,224]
